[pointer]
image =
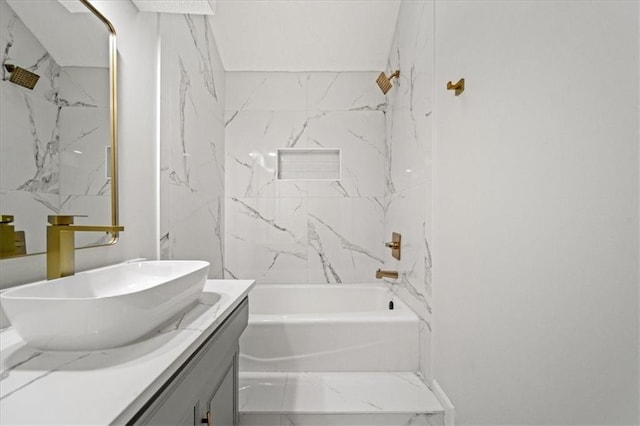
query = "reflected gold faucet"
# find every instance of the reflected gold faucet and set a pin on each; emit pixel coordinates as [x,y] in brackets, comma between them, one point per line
[7,236]
[386,274]
[61,244]
[12,242]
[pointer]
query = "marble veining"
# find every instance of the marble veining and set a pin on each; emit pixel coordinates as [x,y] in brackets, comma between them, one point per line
[5,373]
[346,244]
[69,360]
[63,120]
[45,155]
[185,85]
[335,393]
[273,231]
[205,53]
[409,170]
[192,172]
[271,110]
[255,214]
[330,274]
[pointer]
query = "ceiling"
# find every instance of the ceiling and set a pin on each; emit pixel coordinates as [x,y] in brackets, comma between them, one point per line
[252,35]
[305,35]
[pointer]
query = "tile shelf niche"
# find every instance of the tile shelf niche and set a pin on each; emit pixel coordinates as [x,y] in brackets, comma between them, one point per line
[308,164]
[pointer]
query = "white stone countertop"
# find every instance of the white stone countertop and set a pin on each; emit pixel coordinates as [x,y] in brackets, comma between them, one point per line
[108,386]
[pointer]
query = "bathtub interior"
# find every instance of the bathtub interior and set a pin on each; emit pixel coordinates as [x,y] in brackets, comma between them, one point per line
[317,328]
[279,299]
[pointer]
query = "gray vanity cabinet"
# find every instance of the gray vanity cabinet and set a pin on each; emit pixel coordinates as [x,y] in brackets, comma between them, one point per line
[206,386]
[220,406]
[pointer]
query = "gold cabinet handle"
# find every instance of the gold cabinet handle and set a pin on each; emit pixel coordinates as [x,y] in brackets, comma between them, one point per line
[208,420]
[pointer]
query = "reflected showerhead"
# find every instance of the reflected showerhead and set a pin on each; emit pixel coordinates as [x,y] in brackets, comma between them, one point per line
[384,82]
[22,77]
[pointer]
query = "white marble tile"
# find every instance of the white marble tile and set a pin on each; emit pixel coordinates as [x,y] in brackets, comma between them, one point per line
[408,213]
[410,154]
[188,47]
[344,91]
[84,137]
[192,173]
[266,239]
[360,138]
[343,393]
[84,87]
[409,139]
[190,133]
[29,146]
[345,239]
[262,393]
[197,236]
[185,201]
[252,141]
[266,91]
[415,35]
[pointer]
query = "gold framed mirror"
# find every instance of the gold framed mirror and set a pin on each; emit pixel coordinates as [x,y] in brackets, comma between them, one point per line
[58,122]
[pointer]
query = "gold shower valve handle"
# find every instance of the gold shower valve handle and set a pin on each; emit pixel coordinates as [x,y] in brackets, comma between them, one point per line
[394,245]
[458,87]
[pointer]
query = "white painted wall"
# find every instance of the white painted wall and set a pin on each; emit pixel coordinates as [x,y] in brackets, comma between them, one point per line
[536,211]
[137,45]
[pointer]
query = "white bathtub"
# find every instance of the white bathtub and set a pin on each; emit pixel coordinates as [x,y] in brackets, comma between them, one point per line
[328,327]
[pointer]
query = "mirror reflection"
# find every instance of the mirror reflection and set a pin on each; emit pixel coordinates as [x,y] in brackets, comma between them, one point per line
[54,121]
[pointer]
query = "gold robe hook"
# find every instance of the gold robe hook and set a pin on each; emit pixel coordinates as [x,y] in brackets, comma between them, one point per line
[458,87]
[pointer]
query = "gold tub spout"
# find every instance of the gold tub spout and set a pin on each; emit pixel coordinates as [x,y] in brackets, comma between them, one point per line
[61,244]
[386,274]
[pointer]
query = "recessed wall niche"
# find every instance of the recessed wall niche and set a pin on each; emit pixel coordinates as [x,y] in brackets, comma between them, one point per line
[308,164]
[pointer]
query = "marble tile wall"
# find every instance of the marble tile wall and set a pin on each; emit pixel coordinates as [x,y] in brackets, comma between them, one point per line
[304,231]
[52,154]
[409,136]
[192,147]
[315,232]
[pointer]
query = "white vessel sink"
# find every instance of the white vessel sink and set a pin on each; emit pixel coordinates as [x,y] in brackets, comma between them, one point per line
[103,308]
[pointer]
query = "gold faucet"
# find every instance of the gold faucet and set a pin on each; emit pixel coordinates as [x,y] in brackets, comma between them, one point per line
[386,274]
[61,244]
[7,236]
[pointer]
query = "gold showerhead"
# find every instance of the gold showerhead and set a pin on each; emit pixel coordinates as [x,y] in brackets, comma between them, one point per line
[22,77]
[384,82]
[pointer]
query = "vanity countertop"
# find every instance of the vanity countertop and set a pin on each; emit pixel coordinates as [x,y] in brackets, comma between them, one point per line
[107,386]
